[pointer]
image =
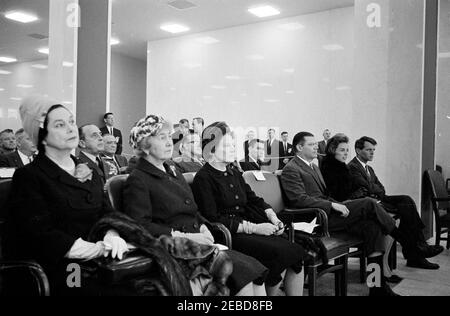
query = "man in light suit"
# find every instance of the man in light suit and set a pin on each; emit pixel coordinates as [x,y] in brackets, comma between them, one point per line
[113,164]
[91,145]
[305,187]
[363,176]
[108,118]
[23,155]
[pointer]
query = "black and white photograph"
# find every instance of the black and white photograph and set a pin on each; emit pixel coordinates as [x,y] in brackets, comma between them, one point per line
[229,154]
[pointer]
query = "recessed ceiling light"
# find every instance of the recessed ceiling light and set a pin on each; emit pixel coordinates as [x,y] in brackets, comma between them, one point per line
[272,101]
[289,70]
[255,57]
[291,26]
[192,65]
[25,86]
[343,88]
[174,28]
[20,16]
[44,50]
[114,41]
[67,64]
[444,55]
[333,47]
[5,59]
[4,72]
[232,77]
[448,116]
[15,99]
[218,87]
[39,66]
[67,102]
[264,11]
[264,84]
[207,40]
[290,92]
[207,97]
[1,89]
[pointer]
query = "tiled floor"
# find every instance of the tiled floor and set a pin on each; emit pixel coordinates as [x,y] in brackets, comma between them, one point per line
[416,282]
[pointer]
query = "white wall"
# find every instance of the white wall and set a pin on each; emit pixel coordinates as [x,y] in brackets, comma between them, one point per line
[280,78]
[20,74]
[128,86]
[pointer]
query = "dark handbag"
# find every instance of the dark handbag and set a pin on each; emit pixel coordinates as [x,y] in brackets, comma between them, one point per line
[113,271]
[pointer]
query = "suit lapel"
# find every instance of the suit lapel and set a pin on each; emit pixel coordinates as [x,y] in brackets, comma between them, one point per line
[17,160]
[315,175]
[361,168]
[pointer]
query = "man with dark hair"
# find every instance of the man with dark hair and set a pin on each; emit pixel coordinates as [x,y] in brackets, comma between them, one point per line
[24,153]
[273,150]
[255,159]
[364,177]
[198,124]
[250,136]
[324,142]
[7,142]
[191,159]
[91,145]
[108,118]
[285,150]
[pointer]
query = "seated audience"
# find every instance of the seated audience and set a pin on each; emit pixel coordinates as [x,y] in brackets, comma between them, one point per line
[191,159]
[183,130]
[113,164]
[197,125]
[7,142]
[223,196]
[365,179]
[255,158]
[24,154]
[91,145]
[158,197]
[285,150]
[304,187]
[109,128]
[55,202]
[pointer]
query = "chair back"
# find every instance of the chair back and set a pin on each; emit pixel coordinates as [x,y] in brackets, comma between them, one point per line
[438,188]
[114,187]
[269,190]
[189,177]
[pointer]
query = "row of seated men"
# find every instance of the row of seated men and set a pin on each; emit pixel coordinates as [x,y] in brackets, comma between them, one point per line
[58,212]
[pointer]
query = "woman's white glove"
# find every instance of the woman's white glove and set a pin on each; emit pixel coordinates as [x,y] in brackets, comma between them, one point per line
[83,250]
[115,244]
[273,218]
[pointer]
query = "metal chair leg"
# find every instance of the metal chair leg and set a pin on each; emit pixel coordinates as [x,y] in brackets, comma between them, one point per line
[312,280]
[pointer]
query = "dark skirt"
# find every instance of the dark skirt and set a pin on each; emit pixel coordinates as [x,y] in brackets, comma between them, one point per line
[246,269]
[276,253]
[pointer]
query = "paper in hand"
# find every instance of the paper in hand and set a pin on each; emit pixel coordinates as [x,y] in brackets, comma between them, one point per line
[259,175]
[306,227]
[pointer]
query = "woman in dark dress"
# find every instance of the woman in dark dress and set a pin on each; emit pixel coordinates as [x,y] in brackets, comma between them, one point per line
[157,196]
[55,202]
[223,196]
[342,188]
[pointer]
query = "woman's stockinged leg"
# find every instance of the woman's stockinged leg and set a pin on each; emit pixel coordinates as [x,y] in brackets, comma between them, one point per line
[259,290]
[294,282]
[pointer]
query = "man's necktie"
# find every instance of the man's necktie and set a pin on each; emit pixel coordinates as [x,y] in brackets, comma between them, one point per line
[367,171]
[100,163]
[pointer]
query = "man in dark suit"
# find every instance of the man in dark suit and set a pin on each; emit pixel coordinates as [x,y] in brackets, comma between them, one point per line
[323,144]
[7,142]
[305,187]
[364,177]
[250,136]
[91,145]
[191,159]
[255,158]
[113,164]
[273,150]
[177,137]
[108,118]
[23,155]
[286,153]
